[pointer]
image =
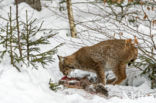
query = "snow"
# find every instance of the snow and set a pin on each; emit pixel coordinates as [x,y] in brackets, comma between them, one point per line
[31,85]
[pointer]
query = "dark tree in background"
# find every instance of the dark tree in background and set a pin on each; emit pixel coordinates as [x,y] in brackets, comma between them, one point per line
[35,4]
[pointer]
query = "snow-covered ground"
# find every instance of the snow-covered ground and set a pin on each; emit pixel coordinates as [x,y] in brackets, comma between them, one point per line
[31,85]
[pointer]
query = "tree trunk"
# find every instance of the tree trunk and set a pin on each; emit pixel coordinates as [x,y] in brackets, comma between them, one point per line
[27,37]
[71,19]
[11,37]
[18,31]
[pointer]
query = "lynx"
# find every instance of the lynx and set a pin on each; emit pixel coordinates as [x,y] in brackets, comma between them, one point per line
[107,55]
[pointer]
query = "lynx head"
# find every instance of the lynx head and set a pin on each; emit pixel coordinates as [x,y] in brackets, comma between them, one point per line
[133,48]
[66,64]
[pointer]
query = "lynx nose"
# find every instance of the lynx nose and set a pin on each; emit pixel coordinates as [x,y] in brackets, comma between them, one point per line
[65,73]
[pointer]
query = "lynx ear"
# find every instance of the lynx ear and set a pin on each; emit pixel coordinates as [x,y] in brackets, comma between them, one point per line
[60,58]
[128,41]
[135,40]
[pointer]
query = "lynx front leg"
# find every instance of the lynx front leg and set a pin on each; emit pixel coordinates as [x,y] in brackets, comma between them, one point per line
[120,73]
[100,75]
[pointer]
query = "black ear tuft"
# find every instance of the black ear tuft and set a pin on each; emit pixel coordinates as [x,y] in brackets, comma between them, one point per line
[60,58]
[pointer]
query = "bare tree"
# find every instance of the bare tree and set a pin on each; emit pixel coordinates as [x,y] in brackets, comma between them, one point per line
[71,19]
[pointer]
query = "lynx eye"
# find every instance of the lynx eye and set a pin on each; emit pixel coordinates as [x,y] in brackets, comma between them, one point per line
[67,66]
[70,67]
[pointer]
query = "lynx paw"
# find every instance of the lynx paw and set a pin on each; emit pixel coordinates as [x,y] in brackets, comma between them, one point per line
[101,89]
[110,81]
